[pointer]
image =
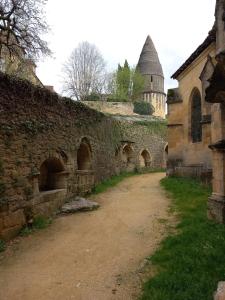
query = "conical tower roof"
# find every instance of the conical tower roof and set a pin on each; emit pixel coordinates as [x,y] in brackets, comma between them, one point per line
[149,63]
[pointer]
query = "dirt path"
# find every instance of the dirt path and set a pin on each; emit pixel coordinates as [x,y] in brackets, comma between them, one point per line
[91,256]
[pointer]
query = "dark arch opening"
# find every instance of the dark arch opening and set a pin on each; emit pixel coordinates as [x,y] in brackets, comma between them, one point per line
[84,156]
[127,154]
[49,174]
[145,159]
[196,117]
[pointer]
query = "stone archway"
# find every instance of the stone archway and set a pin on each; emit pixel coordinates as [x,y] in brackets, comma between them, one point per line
[145,159]
[85,178]
[84,156]
[50,177]
[127,157]
[127,154]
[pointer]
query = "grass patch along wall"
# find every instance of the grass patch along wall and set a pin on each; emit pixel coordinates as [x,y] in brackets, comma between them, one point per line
[191,262]
[114,180]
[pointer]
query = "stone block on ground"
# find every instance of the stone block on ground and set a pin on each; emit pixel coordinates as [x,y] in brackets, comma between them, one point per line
[79,204]
[220,293]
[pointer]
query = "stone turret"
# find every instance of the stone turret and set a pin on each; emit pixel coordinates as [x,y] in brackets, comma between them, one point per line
[149,66]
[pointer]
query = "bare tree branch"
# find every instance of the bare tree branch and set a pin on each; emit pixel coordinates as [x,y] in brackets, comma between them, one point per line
[21,25]
[84,72]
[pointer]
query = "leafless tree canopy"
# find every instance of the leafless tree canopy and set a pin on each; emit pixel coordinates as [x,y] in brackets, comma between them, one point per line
[84,72]
[21,24]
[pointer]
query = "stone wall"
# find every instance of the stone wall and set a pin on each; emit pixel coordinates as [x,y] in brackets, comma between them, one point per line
[53,148]
[127,108]
[121,108]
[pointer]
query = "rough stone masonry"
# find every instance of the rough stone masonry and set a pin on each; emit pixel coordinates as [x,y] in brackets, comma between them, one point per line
[53,148]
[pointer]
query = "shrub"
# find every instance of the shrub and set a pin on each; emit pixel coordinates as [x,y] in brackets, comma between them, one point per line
[92,97]
[41,222]
[38,223]
[2,246]
[143,108]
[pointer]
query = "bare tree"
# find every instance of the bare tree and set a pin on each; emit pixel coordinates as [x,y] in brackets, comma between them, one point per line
[84,72]
[21,24]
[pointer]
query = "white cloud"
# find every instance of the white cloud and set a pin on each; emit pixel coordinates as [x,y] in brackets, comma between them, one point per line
[119,29]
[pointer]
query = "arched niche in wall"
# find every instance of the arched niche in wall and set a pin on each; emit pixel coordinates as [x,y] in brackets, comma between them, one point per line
[84,155]
[145,159]
[51,175]
[195,116]
[127,154]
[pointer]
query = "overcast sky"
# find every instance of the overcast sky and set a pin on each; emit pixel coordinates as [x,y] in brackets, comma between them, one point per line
[119,29]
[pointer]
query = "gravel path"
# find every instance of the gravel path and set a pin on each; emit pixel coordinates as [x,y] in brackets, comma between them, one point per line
[97,255]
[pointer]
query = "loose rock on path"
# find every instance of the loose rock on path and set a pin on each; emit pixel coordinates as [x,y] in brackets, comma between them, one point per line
[79,204]
[99,255]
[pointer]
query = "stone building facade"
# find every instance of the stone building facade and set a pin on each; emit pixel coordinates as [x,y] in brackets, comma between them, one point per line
[150,67]
[19,66]
[196,134]
[189,115]
[53,148]
[215,96]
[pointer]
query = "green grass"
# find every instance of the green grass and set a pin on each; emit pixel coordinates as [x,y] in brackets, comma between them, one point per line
[151,170]
[191,262]
[114,180]
[38,223]
[158,127]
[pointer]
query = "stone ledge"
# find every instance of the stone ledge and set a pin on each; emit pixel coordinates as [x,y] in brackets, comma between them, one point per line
[175,125]
[220,146]
[174,101]
[206,119]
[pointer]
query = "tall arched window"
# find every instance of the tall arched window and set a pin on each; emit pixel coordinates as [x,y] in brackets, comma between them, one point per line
[145,159]
[196,116]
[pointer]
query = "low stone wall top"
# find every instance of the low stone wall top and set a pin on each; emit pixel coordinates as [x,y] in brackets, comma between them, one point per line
[122,108]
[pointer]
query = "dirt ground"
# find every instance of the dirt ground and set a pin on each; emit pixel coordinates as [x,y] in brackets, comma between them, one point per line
[97,255]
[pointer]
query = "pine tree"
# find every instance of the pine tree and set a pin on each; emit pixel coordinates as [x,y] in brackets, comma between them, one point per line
[129,83]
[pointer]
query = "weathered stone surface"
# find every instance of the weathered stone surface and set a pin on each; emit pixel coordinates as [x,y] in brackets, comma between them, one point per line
[11,232]
[185,157]
[14,218]
[37,126]
[79,204]
[220,293]
[47,203]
